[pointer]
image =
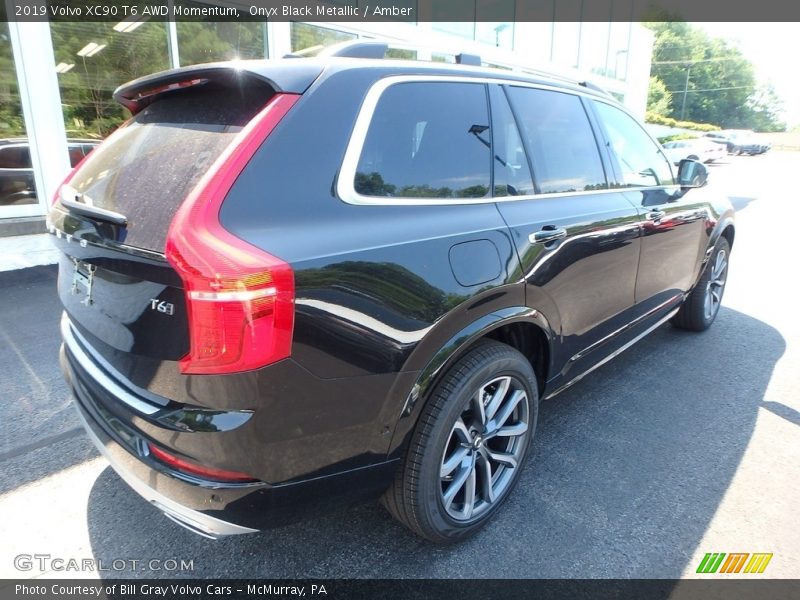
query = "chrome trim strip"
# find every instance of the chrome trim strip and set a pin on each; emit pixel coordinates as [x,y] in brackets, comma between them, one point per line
[614,354]
[98,375]
[193,520]
[345,183]
[589,349]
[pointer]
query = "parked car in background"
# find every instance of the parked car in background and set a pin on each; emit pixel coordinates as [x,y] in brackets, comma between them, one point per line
[694,149]
[17,185]
[739,141]
[293,283]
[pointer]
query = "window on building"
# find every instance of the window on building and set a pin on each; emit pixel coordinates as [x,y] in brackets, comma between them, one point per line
[443,58]
[494,23]
[16,177]
[15,156]
[308,39]
[594,48]
[401,53]
[618,41]
[12,123]
[201,42]
[640,160]
[427,140]
[565,44]
[93,59]
[559,139]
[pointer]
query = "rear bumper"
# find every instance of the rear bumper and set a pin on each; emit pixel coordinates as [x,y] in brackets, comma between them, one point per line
[122,425]
[196,521]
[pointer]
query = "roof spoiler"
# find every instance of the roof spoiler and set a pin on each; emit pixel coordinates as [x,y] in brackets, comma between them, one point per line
[139,93]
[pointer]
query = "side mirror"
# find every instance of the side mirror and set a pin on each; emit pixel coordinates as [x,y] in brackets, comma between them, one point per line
[692,174]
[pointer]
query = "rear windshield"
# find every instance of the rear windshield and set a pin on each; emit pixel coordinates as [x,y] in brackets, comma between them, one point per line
[146,169]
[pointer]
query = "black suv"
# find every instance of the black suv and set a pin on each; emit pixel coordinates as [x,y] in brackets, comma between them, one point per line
[298,281]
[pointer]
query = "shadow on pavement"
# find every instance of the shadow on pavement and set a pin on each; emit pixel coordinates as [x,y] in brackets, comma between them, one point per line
[631,464]
[783,411]
[39,430]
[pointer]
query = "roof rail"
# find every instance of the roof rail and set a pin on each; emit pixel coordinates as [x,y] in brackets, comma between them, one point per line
[377,49]
[468,59]
[357,49]
[589,85]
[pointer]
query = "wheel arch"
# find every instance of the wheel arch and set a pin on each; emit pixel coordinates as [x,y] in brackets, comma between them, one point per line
[724,228]
[728,232]
[521,327]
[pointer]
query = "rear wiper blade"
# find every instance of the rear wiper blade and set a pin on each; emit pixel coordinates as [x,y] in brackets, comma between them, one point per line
[93,212]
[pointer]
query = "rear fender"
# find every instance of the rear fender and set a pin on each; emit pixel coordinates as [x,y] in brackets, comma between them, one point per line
[447,355]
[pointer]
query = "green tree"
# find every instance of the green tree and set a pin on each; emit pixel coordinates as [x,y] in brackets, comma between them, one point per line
[659,99]
[766,107]
[11,121]
[710,80]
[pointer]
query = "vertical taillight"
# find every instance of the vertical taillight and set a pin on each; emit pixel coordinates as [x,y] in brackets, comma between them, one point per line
[239,299]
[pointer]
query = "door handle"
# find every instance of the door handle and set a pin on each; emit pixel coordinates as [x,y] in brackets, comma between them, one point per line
[547,235]
[656,215]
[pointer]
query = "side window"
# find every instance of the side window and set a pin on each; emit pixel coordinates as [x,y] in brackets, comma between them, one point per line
[512,175]
[559,140]
[640,160]
[427,140]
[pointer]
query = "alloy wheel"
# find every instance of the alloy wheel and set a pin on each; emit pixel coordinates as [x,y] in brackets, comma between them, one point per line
[716,284]
[485,446]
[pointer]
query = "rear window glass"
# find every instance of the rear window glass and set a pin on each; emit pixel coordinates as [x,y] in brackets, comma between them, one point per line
[147,168]
[427,140]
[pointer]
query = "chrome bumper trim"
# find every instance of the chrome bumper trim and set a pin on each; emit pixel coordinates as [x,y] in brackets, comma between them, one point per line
[192,520]
[97,374]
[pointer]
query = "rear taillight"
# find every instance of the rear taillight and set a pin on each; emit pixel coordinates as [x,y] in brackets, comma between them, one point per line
[239,299]
[185,466]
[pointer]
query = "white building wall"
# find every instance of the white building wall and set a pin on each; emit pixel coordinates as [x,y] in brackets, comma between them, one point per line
[639,59]
[41,108]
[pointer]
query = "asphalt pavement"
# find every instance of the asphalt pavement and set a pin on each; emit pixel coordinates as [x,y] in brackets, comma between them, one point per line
[683,445]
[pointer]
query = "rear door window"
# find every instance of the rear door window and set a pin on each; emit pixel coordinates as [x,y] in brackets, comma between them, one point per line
[427,140]
[145,169]
[559,140]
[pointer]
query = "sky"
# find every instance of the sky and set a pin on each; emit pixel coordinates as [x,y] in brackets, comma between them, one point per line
[774,50]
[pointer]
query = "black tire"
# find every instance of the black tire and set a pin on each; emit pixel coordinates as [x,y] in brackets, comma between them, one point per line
[416,497]
[694,314]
